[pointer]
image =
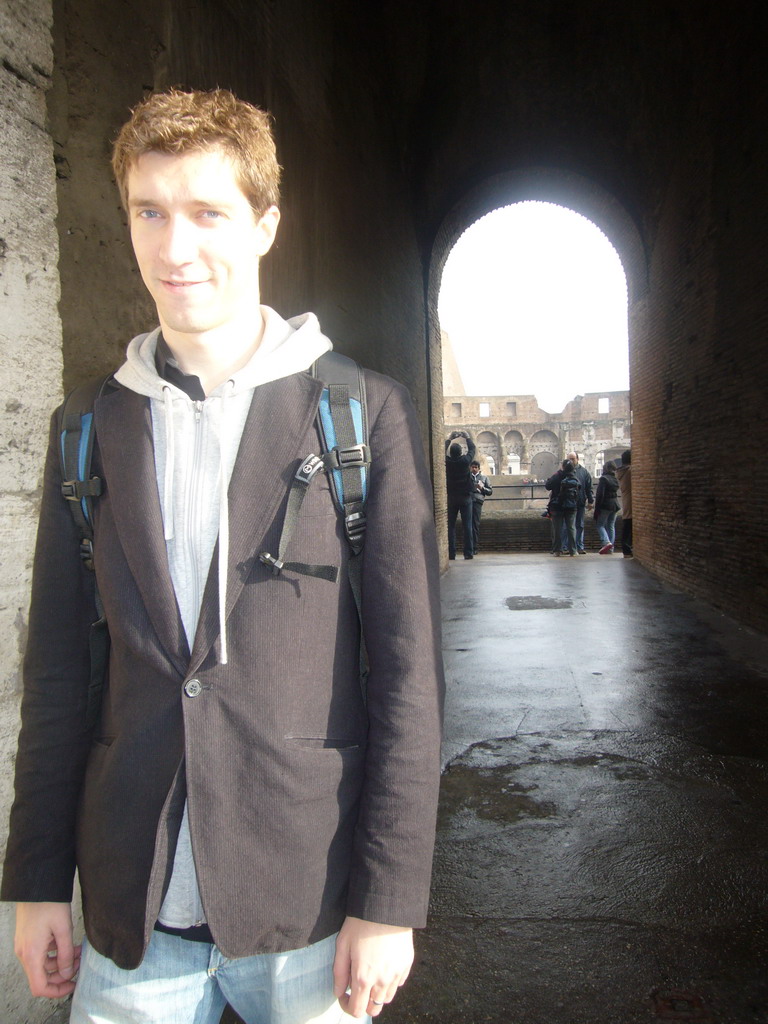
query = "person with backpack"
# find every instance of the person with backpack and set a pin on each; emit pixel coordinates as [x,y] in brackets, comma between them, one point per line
[606,507]
[564,485]
[458,479]
[248,790]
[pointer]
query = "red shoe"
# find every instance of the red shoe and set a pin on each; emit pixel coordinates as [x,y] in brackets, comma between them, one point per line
[606,549]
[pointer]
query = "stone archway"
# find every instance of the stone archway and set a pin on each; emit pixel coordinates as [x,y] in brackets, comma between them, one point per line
[545,184]
[548,185]
[488,449]
[608,455]
[514,450]
[544,450]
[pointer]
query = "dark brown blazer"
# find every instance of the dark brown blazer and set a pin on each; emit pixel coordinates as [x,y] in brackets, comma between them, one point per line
[304,804]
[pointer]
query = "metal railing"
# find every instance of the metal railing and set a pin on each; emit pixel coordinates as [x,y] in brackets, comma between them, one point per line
[531,495]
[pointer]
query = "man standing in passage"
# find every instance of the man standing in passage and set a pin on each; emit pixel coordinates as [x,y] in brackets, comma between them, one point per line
[247,825]
[481,488]
[585,501]
[624,476]
[458,481]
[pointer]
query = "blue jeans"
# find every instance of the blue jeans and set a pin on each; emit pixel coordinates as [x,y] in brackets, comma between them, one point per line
[183,982]
[564,525]
[579,526]
[606,527]
[463,505]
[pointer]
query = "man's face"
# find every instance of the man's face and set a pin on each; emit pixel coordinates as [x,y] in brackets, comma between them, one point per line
[475,467]
[574,458]
[197,241]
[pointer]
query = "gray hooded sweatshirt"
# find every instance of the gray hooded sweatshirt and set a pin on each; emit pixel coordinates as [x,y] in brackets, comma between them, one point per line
[196,445]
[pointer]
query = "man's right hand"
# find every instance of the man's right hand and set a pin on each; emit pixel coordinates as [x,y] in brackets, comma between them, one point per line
[45,947]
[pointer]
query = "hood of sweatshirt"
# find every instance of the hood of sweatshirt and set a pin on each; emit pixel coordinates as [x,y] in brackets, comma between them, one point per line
[288,346]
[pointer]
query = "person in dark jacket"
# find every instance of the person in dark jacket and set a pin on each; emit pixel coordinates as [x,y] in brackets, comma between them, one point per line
[458,481]
[481,489]
[247,826]
[564,485]
[585,501]
[606,507]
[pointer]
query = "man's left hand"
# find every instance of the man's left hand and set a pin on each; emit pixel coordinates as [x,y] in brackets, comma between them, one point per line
[372,961]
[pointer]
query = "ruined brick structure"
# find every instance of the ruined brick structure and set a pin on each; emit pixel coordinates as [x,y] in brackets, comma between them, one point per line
[398,126]
[514,437]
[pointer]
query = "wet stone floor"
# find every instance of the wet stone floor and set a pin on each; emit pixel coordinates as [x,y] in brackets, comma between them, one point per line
[602,848]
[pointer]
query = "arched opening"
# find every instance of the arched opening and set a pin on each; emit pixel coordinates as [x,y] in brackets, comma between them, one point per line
[488,452]
[606,417]
[544,449]
[609,455]
[513,451]
[533,312]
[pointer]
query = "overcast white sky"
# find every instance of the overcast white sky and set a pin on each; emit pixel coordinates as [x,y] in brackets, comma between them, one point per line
[534,299]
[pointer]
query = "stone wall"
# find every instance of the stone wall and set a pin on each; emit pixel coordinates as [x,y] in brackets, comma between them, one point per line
[30,356]
[700,358]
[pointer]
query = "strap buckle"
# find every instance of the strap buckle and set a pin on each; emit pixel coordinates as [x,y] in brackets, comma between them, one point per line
[359,455]
[355,525]
[86,552]
[274,563]
[76,490]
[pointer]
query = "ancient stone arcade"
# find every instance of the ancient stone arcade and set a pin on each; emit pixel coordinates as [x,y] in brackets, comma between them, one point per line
[398,126]
[515,438]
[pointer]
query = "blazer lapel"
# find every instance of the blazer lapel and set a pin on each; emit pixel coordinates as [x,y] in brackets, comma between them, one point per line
[124,431]
[274,438]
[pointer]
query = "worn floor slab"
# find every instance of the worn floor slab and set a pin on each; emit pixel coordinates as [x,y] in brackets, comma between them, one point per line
[602,851]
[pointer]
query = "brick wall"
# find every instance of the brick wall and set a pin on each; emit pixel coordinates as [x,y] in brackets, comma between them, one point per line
[515,532]
[700,360]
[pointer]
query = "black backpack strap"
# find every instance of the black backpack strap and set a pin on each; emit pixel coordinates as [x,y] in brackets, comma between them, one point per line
[303,477]
[343,416]
[343,423]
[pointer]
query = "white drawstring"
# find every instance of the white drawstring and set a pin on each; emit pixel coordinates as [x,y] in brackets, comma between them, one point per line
[170,457]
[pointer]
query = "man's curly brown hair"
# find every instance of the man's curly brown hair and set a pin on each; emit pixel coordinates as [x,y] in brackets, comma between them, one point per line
[182,122]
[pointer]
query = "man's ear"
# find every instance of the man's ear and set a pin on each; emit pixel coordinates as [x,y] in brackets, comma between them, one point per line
[267,229]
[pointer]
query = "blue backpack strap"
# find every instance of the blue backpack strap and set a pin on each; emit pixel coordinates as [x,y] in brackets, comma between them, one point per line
[79,488]
[343,425]
[76,437]
[343,420]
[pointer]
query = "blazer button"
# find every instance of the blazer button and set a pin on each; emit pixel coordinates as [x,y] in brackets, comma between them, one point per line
[192,688]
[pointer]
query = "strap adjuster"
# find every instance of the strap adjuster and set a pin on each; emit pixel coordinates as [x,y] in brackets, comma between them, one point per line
[359,455]
[76,490]
[274,563]
[309,466]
